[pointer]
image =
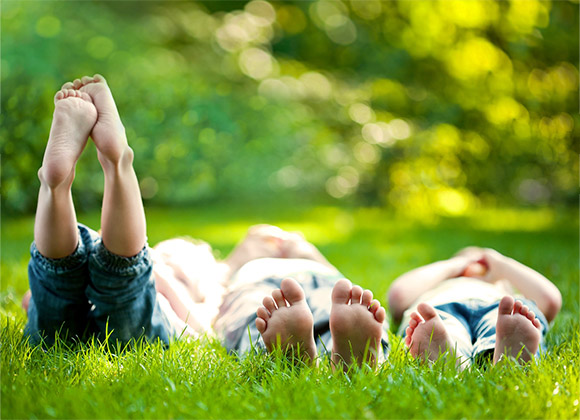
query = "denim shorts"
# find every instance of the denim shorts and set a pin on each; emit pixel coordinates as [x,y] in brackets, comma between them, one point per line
[471,324]
[94,292]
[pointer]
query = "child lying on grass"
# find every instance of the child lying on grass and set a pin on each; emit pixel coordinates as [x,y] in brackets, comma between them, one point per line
[465,306]
[83,283]
[303,301]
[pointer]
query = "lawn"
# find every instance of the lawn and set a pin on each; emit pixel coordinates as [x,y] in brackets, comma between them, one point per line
[371,247]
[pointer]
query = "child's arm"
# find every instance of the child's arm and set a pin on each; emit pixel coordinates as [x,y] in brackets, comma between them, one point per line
[408,287]
[529,282]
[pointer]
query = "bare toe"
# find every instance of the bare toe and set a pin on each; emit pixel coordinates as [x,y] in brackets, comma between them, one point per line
[58,96]
[506,305]
[269,304]
[278,298]
[367,298]
[416,317]
[525,310]
[374,306]
[97,78]
[291,290]
[341,291]
[356,294]
[426,311]
[381,315]
[261,325]
[263,313]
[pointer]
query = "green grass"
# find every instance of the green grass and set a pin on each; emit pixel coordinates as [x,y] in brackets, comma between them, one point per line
[199,379]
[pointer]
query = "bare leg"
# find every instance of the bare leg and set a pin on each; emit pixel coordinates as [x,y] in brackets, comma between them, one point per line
[356,321]
[286,321]
[517,331]
[123,227]
[55,227]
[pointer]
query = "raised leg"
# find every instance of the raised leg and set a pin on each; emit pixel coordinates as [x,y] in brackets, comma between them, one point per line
[123,226]
[55,227]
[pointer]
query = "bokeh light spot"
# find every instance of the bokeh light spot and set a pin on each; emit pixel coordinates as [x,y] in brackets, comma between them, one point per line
[149,187]
[399,129]
[316,85]
[361,113]
[367,9]
[100,47]
[452,202]
[256,63]
[48,26]
[263,9]
[190,118]
[366,153]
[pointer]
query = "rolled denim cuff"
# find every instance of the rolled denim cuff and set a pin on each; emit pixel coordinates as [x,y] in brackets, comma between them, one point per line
[61,265]
[117,264]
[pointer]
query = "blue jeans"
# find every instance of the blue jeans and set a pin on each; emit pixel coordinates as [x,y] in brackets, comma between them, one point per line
[93,292]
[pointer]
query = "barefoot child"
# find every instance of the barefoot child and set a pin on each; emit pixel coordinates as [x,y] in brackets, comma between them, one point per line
[307,305]
[83,283]
[304,305]
[466,306]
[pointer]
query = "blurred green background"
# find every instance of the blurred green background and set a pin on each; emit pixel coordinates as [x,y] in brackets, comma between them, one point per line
[427,107]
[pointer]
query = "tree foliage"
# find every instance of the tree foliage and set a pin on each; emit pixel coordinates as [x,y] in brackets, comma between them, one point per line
[430,106]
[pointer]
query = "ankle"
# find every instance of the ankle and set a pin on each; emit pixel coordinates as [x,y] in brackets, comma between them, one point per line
[118,161]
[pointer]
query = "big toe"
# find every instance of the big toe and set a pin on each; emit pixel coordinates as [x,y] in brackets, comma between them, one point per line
[341,291]
[292,291]
[99,79]
[506,305]
[426,311]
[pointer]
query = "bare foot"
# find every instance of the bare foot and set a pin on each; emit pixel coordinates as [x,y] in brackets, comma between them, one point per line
[74,117]
[109,132]
[517,331]
[427,337]
[286,321]
[355,324]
